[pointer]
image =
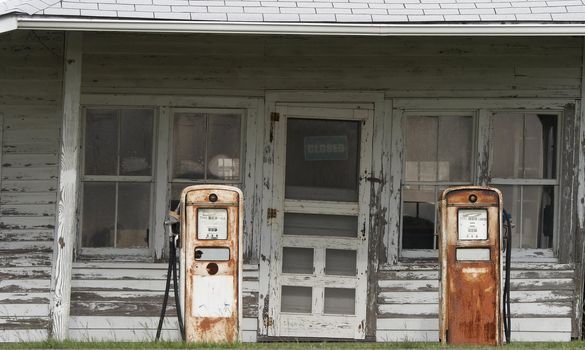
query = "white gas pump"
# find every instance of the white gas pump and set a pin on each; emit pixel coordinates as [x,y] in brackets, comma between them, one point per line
[211,227]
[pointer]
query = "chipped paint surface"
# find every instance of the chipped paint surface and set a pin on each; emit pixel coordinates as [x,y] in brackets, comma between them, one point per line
[470,295]
[220,321]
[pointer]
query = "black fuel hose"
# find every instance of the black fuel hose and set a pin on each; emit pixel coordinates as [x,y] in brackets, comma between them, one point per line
[171,269]
[506,309]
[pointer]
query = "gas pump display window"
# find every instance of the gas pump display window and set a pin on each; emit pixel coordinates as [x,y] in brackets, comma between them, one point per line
[212,223]
[472,224]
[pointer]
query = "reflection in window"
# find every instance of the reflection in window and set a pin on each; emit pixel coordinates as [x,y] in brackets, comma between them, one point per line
[523,166]
[206,147]
[438,154]
[117,178]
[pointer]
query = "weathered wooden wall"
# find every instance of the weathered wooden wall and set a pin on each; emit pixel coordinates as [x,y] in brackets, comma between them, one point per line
[30,96]
[541,303]
[400,66]
[120,300]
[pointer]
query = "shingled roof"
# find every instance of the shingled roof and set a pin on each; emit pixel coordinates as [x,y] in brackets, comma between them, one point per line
[313,11]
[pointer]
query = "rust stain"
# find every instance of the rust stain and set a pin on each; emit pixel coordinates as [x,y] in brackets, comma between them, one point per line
[61,242]
[472,300]
[211,329]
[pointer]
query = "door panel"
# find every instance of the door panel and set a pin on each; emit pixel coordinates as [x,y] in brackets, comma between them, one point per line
[318,277]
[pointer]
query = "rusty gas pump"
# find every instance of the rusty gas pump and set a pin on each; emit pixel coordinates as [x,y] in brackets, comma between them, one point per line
[471,266]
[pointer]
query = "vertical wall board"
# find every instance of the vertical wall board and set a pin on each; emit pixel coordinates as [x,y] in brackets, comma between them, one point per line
[482,171]
[377,212]
[396,163]
[66,225]
[566,245]
[580,227]
[253,140]
[161,206]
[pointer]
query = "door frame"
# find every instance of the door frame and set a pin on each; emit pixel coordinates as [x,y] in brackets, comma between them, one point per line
[378,192]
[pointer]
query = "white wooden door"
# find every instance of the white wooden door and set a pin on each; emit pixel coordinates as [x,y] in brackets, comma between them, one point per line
[318,270]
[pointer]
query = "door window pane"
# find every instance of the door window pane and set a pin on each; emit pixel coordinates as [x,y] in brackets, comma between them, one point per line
[322,160]
[297,260]
[296,299]
[340,262]
[340,301]
[101,142]
[320,225]
[421,149]
[133,215]
[136,142]
[99,211]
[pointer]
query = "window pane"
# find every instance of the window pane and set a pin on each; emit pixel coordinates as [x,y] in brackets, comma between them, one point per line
[532,215]
[506,141]
[189,146]
[297,260]
[101,142]
[537,216]
[340,262]
[136,142]
[223,149]
[418,217]
[296,299]
[455,148]
[133,215]
[339,301]
[322,159]
[320,225]
[540,146]
[421,149]
[99,206]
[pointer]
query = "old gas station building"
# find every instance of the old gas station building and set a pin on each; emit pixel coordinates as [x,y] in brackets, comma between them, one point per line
[340,121]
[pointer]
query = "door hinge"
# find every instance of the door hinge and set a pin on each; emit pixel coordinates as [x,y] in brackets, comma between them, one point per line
[274,117]
[271,213]
[268,322]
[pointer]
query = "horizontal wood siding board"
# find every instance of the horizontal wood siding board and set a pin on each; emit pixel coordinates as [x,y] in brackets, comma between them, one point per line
[514,274]
[33,235]
[25,259]
[23,335]
[24,297]
[405,67]
[515,296]
[15,323]
[534,310]
[9,273]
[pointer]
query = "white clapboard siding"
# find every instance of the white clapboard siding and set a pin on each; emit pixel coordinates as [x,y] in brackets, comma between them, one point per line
[30,101]
[122,301]
[541,304]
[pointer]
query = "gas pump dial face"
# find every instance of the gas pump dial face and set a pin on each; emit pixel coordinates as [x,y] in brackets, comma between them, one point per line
[212,223]
[472,224]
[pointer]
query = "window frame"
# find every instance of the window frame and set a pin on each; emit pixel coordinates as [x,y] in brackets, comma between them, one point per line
[468,112]
[482,112]
[523,182]
[170,156]
[98,252]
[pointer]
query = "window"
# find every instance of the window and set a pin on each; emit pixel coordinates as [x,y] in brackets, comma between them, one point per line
[524,167]
[438,154]
[117,178]
[206,148]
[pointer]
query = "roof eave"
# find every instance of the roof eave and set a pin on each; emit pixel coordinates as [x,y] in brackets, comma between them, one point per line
[8,23]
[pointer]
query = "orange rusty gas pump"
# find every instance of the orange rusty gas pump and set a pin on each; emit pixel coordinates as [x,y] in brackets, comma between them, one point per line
[211,262]
[471,269]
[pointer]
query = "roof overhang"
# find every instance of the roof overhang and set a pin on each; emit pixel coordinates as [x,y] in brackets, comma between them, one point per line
[12,22]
